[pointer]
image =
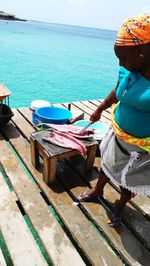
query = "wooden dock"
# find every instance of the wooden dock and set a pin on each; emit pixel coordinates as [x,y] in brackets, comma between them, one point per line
[40,225]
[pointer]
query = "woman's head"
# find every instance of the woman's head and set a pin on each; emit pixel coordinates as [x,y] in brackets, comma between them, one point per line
[132,45]
[134,58]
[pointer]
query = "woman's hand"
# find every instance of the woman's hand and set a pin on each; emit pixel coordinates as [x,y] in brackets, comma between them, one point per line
[110,99]
[95,116]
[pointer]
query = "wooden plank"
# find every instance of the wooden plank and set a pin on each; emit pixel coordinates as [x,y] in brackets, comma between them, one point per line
[141,204]
[123,240]
[25,126]
[97,103]
[2,260]
[45,224]
[14,135]
[75,110]
[22,247]
[81,229]
[89,111]
[93,107]
[26,112]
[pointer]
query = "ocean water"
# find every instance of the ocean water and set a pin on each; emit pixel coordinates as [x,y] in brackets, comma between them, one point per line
[58,63]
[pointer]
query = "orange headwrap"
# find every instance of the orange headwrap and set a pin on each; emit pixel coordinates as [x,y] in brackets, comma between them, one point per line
[134,31]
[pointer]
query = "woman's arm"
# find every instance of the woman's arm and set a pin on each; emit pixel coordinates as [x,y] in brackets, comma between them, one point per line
[108,101]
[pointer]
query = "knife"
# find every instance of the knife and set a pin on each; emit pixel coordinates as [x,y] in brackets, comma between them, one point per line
[83,129]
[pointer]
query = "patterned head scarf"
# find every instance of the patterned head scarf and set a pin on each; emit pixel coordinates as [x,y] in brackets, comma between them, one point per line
[134,31]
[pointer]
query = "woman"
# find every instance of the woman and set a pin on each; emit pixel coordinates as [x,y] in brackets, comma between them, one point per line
[125,150]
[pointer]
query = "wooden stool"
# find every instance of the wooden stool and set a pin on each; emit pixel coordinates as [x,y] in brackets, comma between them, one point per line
[53,153]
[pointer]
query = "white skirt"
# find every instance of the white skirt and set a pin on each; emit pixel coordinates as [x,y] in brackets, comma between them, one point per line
[125,164]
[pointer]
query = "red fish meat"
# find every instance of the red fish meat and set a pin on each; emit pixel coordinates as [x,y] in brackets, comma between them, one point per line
[66,141]
[71,129]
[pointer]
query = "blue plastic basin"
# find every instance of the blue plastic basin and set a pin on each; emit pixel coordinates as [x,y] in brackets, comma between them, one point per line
[51,114]
[100,128]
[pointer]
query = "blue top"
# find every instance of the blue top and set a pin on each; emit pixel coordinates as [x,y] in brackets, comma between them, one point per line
[133,112]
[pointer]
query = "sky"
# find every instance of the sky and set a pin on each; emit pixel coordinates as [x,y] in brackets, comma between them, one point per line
[106,14]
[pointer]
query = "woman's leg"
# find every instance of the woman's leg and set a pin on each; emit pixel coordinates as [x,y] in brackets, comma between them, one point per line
[97,190]
[102,181]
[125,196]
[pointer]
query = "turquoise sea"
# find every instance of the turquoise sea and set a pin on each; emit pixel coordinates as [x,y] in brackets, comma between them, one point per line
[58,63]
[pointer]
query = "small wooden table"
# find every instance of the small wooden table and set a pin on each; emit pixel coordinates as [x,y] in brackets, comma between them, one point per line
[53,153]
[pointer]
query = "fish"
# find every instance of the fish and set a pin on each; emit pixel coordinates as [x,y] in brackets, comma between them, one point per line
[65,140]
[72,130]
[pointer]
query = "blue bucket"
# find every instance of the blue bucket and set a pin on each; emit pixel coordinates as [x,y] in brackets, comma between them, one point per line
[54,115]
[35,105]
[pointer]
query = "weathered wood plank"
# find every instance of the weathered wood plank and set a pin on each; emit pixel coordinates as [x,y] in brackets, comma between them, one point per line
[22,247]
[25,126]
[97,103]
[55,241]
[75,110]
[141,203]
[93,107]
[122,239]
[2,260]
[88,110]
[26,112]
[80,228]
